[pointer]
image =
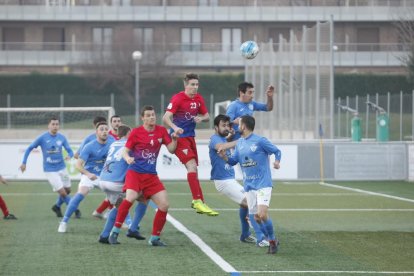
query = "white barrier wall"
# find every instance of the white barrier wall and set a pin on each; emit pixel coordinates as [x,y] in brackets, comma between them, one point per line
[168,165]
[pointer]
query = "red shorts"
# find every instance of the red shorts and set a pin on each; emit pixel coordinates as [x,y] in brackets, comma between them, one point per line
[148,184]
[186,149]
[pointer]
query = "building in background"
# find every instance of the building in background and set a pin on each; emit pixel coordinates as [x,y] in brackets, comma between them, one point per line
[70,35]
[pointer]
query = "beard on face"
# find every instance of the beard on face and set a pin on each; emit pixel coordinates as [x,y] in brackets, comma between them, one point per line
[223,133]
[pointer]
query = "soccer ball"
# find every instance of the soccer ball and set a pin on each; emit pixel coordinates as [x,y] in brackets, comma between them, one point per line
[249,49]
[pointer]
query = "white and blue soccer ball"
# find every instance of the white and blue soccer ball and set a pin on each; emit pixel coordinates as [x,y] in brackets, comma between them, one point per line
[249,49]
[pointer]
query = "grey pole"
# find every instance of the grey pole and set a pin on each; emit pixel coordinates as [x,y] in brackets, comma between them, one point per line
[137,55]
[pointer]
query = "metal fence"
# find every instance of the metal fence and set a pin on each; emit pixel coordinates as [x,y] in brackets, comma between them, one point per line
[398,107]
[302,71]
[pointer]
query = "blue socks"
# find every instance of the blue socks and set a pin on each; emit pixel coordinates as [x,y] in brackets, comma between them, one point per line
[269,229]
[60,200]
[260,235]
[73,206]
[140,210]
[109,223]
[243,222]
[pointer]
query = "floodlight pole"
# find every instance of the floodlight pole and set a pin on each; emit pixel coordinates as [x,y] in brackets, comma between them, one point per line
[136,56]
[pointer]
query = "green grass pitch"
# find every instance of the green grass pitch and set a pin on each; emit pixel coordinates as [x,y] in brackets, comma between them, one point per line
[323,230]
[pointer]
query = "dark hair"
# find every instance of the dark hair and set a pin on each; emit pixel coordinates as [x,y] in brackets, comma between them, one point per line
[123,130]
[145,108]
[221,117]
[248,121]
[53,118]
[190,76]
[98,119]
[115,116]
[244,86]
[101,123]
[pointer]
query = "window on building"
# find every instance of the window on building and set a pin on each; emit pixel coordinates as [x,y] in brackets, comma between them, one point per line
[231,39]
[367,39]
[54,39]
[190,39]
[13,38]
[208,2]
[275,32]
[143,37]
[102,38]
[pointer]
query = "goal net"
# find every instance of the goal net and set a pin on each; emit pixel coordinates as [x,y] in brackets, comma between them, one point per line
[35,118]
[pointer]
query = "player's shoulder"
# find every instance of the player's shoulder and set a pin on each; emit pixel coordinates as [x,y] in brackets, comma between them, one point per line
[178,96]
[160,128]
[234,103]
[198,96]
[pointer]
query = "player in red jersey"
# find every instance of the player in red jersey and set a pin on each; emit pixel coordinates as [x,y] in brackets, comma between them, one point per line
[3,206]
[141,152]
[186,109]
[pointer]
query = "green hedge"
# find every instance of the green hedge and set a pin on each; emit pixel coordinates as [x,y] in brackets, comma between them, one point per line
[353,84]
[38,90]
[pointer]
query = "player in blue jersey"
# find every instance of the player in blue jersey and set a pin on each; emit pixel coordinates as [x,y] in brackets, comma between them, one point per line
[252,153]
[51,143]
[111,182]
[89,163]
[244,104]
[91,136]
[111,138]
[224,179]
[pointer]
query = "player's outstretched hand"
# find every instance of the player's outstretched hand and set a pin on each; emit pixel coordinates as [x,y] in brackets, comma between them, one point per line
[130,160]
[276,164]
[22,167]
[197,119]
[270,90]
[92,176]
[2,180]
[178,131]
[174,135]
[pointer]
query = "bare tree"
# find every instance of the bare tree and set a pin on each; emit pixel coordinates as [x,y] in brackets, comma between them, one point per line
[113,65]
[405,28]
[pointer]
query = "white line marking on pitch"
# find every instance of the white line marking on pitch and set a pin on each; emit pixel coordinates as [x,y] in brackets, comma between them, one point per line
[202,245]
[331,272]
[308,210]
[187,194]
[366,192]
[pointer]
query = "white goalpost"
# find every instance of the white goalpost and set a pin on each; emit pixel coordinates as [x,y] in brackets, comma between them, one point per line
[37,117]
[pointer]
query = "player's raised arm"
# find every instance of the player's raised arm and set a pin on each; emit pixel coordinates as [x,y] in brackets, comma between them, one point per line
[269,93]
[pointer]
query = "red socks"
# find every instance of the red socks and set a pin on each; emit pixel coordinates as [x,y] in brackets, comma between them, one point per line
[159,221]
[3,207]
[122,213]
[105,204]
[195,186]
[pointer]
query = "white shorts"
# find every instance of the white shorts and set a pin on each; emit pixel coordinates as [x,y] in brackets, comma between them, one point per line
[58,180]
[112,189]
[258,197]
[230,188]
[90,184]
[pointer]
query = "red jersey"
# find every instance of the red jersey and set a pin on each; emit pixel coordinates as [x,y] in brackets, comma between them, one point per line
[145,147]
[185,109]
[113,135]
